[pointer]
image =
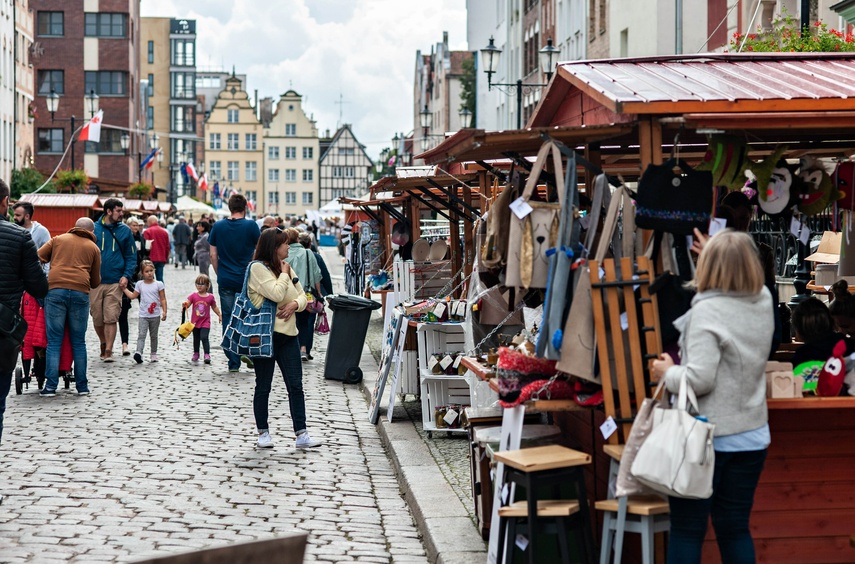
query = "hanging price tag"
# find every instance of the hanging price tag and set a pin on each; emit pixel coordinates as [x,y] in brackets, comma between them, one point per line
[521,208]
[608,428]
[799,230]
[446,361]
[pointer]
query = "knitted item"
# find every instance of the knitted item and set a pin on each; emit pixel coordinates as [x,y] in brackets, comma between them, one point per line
[558,389]
[515,370]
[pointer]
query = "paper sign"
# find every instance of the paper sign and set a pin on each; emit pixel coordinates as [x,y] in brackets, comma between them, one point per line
[446,361]
[432,361]
[608,428]
[716,225]
[439,310]
[457,360]
[450,416]
[521,208]
[505,492]
[521,542]
[800,230]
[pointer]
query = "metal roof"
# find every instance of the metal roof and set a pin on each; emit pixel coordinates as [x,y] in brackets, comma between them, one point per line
[715,82]
[63,200]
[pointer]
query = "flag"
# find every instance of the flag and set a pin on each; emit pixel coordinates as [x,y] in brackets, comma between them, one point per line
[203,183]
[149,160]
[250,205]
[216,189]
[92,130]
[191,170]
[184,173]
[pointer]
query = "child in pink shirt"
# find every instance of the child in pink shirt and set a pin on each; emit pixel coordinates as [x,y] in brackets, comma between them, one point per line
[201,303]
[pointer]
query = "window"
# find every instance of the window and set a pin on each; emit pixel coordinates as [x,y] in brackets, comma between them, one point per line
[251,171]
[337,172]
[290,130]
[233,141]
[183,52]
[149,117]
[346,151]
[51,23]
[273,175]
[233,170]
[183,85]
[251,141]
[51,80]
[150,88]
[215,169]
[308,152]
[308,175]
[111,142]
[51,140]
[251,196]
[273,198]
[105,25]
[106,83]
[233,116]
[183,119]
[290,175]
[343,172]
[308,198]
[214,141]
[290,198]
[273,153]
[151,52]
[349,172]
[290,152]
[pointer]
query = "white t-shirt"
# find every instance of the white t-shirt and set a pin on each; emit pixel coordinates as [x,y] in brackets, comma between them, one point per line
[150,298]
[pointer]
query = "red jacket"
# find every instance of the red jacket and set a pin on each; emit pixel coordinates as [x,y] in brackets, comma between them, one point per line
[159,243]
[36,336]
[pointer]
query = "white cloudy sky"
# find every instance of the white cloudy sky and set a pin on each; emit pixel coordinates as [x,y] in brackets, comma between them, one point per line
[362,49]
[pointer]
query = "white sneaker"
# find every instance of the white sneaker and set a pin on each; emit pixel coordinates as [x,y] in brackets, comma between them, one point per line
[305,441]
[265,440]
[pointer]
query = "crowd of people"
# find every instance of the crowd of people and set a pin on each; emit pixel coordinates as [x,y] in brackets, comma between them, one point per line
[100,268]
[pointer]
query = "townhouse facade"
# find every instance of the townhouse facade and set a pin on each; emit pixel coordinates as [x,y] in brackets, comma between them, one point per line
[345,167]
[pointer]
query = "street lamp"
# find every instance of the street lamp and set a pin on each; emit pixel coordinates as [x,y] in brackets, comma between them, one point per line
[490,62]
[52,103]
[154,140]
[92,98]
[425,119]
[465,117]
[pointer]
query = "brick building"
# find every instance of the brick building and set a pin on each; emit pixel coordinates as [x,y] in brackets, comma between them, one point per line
[91,60]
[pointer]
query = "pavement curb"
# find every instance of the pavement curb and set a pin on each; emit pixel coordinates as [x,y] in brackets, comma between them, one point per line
[447,530]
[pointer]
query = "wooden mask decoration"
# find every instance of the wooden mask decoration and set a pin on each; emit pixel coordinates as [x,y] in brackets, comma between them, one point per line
[818,191]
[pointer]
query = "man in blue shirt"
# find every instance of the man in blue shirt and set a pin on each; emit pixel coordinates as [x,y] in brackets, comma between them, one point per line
[233,241]
[118,262]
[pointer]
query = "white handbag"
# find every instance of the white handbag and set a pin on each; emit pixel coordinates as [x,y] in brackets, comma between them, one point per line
[678,457]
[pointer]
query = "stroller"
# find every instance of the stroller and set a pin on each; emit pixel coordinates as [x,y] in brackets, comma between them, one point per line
[34,349]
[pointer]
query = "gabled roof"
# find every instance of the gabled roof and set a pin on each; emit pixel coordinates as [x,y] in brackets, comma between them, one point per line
[714,82]
[332,143]
[63,200]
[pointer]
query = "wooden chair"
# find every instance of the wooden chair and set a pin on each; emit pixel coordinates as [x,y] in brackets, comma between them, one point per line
[624,388]
[534,469]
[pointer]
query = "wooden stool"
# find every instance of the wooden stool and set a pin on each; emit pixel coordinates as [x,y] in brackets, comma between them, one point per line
[550,465]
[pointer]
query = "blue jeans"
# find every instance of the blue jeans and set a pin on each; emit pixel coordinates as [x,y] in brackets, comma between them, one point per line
[5,385]
[734,482]
[227,304]
[66,308]
[158,271]
[286,353]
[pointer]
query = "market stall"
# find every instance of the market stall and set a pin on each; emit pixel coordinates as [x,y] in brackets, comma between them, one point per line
[619,117]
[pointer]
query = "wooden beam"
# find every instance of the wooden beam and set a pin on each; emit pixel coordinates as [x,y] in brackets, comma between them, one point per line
[469,249]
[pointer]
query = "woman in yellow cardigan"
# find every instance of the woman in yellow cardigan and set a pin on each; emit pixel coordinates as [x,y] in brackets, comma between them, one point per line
[272,278]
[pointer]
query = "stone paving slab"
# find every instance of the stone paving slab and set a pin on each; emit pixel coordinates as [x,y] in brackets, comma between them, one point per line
[161,459]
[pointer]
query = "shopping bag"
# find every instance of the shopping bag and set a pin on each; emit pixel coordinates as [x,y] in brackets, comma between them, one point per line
[678,457]
[322,326]
[250,329]
[626,483]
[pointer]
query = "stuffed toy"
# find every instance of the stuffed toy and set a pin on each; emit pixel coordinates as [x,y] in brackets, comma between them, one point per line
[818,190]
[763,170]
[833,372]
[844,180]
[727,158]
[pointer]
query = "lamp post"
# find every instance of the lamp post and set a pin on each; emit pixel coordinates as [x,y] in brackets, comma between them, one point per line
[465,117]
[490,63]
[52,103]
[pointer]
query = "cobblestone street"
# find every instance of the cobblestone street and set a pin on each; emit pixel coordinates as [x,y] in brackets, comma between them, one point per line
[161,459]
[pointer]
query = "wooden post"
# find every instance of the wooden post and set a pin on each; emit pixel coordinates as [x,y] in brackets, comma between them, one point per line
[455,247]
[469,249]
[416,218]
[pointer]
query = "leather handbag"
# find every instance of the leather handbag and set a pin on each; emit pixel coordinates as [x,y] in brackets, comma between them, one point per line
[678,457]
[673,202]
[578,349]
[642,425]
[13,329]
[495,251]
[531,236]
[250,329]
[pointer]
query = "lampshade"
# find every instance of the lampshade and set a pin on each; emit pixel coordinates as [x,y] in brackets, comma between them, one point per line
[52,101]
[125,141]
[490,58]
[548,58]
[425,118]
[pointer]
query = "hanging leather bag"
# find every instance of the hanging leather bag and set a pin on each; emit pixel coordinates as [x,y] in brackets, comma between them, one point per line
[532,235]
[674,202]
[495,250]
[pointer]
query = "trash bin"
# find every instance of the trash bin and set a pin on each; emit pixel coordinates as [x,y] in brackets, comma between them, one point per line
[351,315]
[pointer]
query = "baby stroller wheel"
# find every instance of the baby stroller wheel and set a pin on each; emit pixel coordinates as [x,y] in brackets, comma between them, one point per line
[19,381]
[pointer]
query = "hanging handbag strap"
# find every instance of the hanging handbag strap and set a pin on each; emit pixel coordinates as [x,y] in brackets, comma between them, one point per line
[620,196]
[547,149]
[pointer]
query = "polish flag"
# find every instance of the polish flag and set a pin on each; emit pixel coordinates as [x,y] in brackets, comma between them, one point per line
[203,183]
[192,172]
[92,130]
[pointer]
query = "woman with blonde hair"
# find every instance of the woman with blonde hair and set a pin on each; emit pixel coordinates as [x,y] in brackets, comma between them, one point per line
[724,343]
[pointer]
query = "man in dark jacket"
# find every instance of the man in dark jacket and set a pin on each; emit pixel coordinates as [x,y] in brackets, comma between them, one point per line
[118,261]
[20,270]
[181,234]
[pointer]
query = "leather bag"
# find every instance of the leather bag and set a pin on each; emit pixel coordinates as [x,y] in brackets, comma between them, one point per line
[13,329]
[642,425]
[250,329]
[678,457]
[530,237]
[676,203]
[495,251]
